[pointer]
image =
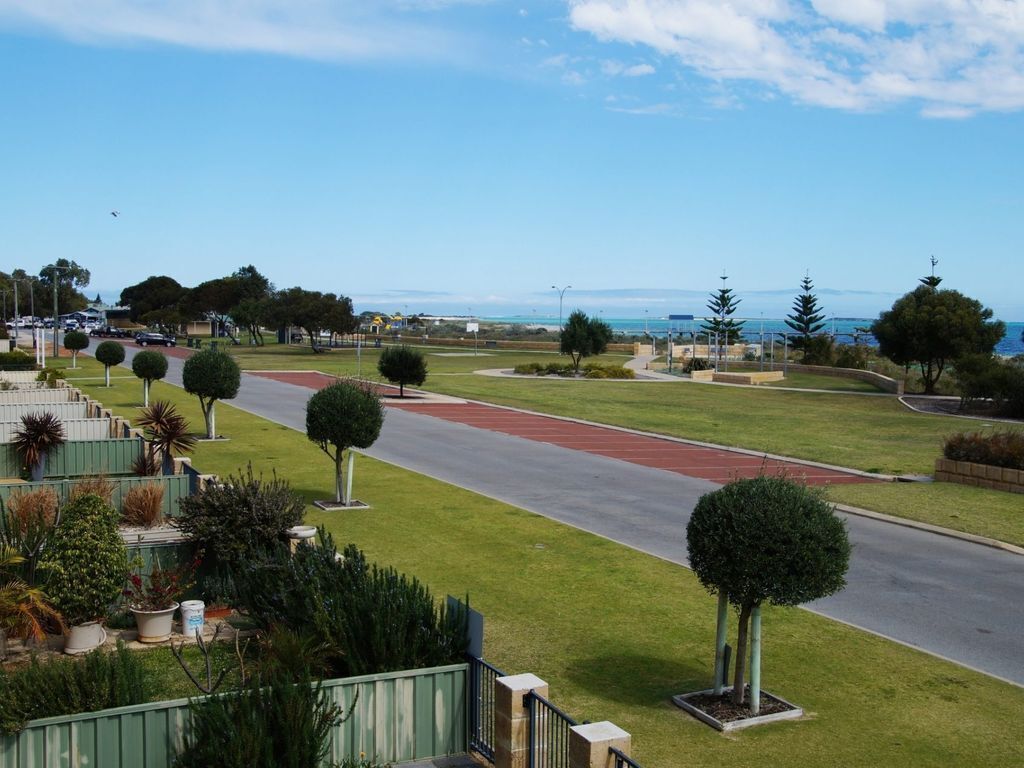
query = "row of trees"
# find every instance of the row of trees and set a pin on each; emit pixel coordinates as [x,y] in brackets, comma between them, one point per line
[245,297]
[36,291]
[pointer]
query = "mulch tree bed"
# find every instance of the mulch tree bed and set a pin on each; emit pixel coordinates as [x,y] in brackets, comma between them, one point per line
[722,709]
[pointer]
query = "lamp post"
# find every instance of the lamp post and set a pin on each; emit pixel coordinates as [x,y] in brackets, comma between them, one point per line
[561,295]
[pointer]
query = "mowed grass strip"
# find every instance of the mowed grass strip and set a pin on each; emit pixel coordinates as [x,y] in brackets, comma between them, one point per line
[616,632]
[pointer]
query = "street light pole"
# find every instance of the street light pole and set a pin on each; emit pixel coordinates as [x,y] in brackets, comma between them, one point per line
[15,281]
[561,295]
[56,324]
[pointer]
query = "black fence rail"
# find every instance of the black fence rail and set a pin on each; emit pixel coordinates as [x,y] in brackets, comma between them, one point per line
[623,760]
[481,706]
[548,733]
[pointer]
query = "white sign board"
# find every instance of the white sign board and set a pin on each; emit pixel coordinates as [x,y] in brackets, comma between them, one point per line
[472,327]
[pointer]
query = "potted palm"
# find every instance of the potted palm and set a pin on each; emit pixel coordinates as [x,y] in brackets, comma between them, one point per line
[153,599]
[85,562]
[38,434]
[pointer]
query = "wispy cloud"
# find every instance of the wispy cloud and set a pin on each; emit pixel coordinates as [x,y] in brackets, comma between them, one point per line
[951,57]
[316,29]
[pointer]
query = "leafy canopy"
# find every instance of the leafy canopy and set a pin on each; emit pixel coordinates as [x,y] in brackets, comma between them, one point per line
[344,415]
[402,365]
[584,336]
[110,353]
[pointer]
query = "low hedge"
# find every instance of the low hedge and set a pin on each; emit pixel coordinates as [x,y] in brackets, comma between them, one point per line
[589,371]
[997,449]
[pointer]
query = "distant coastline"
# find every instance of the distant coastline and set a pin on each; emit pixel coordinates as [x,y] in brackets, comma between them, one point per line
[845,328]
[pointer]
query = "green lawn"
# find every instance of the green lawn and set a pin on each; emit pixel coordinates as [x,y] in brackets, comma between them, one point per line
[616,632]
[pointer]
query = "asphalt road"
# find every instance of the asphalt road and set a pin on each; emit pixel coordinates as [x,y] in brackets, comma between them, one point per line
[952,598]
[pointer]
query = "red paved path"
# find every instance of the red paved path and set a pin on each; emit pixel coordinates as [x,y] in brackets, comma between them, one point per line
[715,464]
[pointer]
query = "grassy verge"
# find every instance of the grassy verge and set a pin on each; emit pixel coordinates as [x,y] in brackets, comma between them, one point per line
[616,632]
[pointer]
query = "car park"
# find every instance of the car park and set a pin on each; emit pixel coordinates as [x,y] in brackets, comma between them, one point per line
[155,339]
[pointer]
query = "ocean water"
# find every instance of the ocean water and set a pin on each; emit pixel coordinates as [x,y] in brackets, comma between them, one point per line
[845,329]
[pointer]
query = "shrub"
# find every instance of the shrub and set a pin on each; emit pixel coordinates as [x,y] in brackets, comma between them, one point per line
[240,518]
[24,610]
[97,485]
[16,360]
[26,524]
[49,377]
[818,350]
[991,381]
[697,364]
[61,686]
[528,369]
[75,342]
[38,434]
[270,723]
[852,356]
[143,505]
[371,619]
[997,449]
[402,365]
[85,561]
[38,505]
[596,371]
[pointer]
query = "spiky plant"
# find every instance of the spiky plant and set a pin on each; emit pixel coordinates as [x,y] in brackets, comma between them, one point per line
[25,611]
[166,430]
[38,434]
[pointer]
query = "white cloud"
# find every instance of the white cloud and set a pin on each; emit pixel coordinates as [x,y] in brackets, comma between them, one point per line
[573,78]
[316,29]
[953,57]
[613,68]
[638,70]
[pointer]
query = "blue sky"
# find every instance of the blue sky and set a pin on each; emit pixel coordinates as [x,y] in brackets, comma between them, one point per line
[462,157]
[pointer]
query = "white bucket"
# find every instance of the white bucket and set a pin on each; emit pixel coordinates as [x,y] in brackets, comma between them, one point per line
[192,617]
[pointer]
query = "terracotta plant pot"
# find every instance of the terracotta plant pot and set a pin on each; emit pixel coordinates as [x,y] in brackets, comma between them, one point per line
[154,626]
[82,638]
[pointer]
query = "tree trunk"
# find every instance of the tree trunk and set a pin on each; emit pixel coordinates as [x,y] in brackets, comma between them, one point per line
[722,629]
[738,682]
[145,392]
[755,660]
[211,425]
[106,375]
[74,359]
[339,480]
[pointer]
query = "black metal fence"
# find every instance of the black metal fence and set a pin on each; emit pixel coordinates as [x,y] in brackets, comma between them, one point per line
[481,706]
[548,733]
[623,760]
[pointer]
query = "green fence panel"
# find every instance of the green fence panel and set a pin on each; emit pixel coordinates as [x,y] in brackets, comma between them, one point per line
[176,487]
[74,429]
[410,715]
[77,458]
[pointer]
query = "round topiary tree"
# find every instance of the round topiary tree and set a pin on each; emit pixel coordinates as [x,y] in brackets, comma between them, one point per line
[340,417]
[211,375]
[109,353]
[85,561]
[403,365]
[766,539]
[75,342]
[149,366]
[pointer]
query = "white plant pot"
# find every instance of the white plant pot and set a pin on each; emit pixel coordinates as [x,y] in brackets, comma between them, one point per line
[154,626]
[300,532]
[82,638]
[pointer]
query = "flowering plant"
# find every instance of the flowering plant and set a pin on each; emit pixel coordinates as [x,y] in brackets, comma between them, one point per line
[162,589]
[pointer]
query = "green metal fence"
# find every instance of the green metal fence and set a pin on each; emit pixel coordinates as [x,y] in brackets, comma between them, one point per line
[176,487]
[399,716]
[74,429]
[77,458]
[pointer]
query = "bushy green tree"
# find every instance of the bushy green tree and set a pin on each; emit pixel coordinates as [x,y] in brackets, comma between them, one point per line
[75,342]
[110,353]
[149,366]
[211,375]
[340,417]
[764,540]
[403,365]
[85,561]
[933,327]
[584,336]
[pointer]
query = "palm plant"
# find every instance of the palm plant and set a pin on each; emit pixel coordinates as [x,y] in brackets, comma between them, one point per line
[168,433]
[25,611]
[38,434]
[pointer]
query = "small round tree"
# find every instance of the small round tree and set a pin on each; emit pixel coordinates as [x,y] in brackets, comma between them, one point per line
[403,365]
[109,353]
[75,342]
[149,366]
[211,375]
[584,336]
[340,417]
[766,539]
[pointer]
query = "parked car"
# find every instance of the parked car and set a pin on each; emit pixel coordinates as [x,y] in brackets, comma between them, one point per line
[155,339]
[109,332]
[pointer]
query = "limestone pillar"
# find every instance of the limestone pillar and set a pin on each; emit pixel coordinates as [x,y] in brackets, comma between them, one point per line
[588,745]
[511,719]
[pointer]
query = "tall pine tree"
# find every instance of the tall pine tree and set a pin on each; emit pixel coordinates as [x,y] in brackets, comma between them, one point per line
[723,305]
[806,319]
